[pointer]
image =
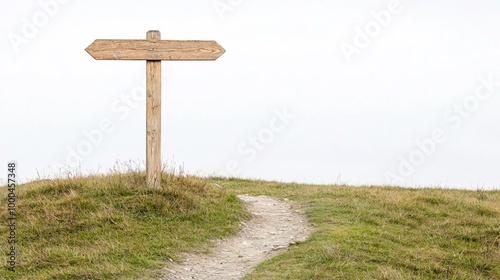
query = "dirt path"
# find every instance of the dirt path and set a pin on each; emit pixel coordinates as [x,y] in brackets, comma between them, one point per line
[276,224]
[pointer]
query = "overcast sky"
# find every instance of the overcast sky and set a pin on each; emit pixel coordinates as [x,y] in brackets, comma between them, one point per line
[357,92]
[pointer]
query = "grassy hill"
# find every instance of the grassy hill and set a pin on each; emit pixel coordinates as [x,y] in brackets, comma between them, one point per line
[111,227]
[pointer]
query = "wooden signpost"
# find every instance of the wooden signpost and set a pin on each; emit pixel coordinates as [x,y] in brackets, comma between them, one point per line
[154,50]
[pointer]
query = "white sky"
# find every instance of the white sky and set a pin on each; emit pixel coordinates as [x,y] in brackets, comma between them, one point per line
[353,118]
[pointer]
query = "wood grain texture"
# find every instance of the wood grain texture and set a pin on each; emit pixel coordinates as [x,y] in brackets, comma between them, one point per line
[153,119]
[154,49]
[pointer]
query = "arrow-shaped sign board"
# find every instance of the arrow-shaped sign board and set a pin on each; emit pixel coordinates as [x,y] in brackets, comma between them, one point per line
[154,50]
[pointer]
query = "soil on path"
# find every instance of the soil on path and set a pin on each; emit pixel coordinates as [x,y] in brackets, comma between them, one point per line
[276,224]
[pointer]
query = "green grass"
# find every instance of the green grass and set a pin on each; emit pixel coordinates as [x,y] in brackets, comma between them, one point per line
[112,227]
[386,233]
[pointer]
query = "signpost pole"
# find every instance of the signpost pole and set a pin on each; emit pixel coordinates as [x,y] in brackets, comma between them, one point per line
[153,118]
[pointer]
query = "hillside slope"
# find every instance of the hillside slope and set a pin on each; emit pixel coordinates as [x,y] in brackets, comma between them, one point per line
[386,232]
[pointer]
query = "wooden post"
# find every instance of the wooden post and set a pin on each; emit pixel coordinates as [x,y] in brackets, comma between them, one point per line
[153,118]
[154,50]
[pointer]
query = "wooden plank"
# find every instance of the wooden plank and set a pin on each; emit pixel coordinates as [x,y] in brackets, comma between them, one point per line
[154,50]
[153,119]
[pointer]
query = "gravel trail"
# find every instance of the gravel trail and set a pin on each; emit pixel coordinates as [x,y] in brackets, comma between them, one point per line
[276,224]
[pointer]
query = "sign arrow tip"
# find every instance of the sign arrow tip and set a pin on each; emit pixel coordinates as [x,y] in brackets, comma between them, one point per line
[221,50]
[90,49]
